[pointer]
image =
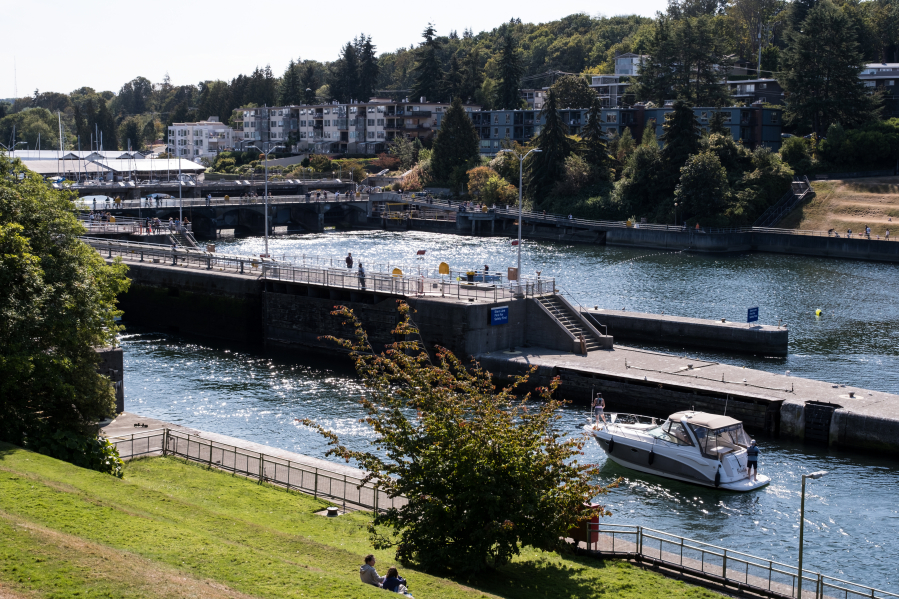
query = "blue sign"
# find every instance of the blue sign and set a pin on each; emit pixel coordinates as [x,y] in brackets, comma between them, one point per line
[499,315]
[752,315]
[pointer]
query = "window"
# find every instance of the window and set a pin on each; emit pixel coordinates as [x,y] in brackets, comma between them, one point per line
[508,118]
[496,132]
[678,434]
[611,117]
[507,131]
[371,135]
[327,122]
[495,119]
[371,122]
[380,122]
[870,83]
[703,116]
[380,135]
[775,118]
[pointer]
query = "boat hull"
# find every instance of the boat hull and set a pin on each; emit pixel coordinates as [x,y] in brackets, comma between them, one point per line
[635,455]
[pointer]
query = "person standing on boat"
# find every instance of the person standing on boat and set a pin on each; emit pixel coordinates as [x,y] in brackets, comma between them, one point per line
[599,406]
[752,461]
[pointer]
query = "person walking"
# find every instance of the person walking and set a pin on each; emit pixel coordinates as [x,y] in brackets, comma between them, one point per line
[361,274]
[349,260]
[887,236]
[752,461]
[208,199]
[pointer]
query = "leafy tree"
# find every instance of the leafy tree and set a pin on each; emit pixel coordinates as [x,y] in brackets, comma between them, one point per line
[547,166]
[405,150]
[130,132]
[822,64]
[490,187]
[593,138]
[428,72]
[508,96]
[149,133]
[680,134]
[456,146]
[135,96]
[642,186]
[320,163]
[483,471]
[573,92]
[368,69]
[290,92]
[58,302]
[107,127]
[703,188]
[795,152]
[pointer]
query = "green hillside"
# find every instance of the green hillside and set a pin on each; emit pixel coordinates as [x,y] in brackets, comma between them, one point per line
[173,529]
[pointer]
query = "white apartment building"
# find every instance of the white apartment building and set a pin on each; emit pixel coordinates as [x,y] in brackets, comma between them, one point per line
[356,128]
[199,140]
[628,63]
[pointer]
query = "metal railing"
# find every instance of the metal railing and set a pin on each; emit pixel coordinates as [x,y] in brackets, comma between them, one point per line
[235,200]
[328,484]
[131,225]
[712,562]
[271,270]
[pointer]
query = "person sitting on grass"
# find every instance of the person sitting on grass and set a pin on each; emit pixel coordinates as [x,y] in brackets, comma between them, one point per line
[368,574]
[395,583]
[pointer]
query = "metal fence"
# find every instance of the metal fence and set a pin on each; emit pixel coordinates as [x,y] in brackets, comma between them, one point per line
[294,476]
[403,285]
[726,566]
[227,200]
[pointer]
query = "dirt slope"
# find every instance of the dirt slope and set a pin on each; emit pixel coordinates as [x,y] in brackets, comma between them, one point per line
[850,204]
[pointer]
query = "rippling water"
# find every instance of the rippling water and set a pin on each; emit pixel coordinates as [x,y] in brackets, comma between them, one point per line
[852,514]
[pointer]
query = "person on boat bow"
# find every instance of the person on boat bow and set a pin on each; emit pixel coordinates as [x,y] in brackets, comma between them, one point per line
[599,406]
[752,461]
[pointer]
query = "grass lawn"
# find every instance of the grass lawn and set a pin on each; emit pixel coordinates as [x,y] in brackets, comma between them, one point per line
[850,204]
[174,529]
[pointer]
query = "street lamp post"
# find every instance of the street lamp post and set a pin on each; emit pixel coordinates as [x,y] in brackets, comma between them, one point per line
[12,148]
[519,294]
[813,476]
[675,215]
[265,193]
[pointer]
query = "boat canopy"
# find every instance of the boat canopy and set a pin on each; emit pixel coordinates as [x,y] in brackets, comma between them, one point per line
[703,419]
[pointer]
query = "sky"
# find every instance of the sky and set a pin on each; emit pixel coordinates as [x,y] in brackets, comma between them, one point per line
[103,44]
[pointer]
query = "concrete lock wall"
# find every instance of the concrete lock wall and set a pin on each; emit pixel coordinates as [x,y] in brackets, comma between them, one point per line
[678,330]
[198,302]
[112,366]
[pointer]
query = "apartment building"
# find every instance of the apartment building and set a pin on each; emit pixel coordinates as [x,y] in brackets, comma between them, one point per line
[752,125]
[882,77]
[204,139]
[356,128]
[756,90]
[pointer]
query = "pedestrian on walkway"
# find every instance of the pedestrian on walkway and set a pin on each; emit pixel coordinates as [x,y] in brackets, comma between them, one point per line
[208,199]
[887,236]
[361,276]
[349,260]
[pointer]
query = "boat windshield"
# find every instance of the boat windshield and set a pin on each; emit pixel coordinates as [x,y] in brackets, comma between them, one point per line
[717,442]
[672,432]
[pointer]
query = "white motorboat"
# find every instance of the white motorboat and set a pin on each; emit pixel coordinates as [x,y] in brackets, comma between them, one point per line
[693,447]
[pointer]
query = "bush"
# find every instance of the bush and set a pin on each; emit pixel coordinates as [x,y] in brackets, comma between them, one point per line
[489,187]
[795,152]
[320,163]
[92,452]
[385,161]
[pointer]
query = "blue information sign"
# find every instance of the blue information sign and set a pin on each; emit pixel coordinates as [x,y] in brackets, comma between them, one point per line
[499,315]
[752,315]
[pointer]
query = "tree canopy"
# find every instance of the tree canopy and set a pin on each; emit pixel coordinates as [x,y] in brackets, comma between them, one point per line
[456,146]
[484,472]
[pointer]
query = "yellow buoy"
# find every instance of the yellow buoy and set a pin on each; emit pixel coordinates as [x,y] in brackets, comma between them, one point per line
[818,312]
[443,268]
[397,272]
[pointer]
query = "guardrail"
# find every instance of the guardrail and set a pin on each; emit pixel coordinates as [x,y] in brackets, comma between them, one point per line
[271,270]
[293,476]
[719,564]
[126,224]
[175,202]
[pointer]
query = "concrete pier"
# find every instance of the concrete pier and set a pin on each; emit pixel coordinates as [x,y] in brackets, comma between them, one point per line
[681,331]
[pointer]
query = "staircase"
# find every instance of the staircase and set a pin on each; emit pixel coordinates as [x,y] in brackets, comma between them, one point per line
[571,320]
[183,239]
[800,189]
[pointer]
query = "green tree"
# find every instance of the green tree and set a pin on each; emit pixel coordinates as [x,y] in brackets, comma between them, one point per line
[680,136]
[149,133]
[484,472]
[309,84]
[547,166]
[821,68]
[428,71]
[58,302]
[368,69]
[135,96]
[290,92]
[716,124]
[345,75]
[703,189]
[452,80]
[456,147]
[595,150]
[107,127]
[508,96]
[573,92]
[472,75]
[130,133]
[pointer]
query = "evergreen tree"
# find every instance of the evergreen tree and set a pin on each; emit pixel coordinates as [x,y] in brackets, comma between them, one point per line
[716,124]
[472,75]
[508,96]
[90,120]
[548,165]
[681,138]
[456,147]
[131,133]
[822,63]
[106,125]
[797,13]
[703,189]
[345,75]
[572,91]
[81,127]
[290,91]
[308,83]
[368,69]
[428,72]
[596,152]
[452,80]
[269,87]
[656,75]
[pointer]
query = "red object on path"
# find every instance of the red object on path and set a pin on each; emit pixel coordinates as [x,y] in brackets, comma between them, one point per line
[514,242]
[420,253]
[587,531]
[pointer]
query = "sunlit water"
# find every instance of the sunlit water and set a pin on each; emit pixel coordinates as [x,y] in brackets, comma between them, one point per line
[852,519]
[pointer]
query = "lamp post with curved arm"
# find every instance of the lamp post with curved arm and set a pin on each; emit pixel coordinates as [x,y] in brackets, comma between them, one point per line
[265,193]
[519,294]
[12,148]
[813,476]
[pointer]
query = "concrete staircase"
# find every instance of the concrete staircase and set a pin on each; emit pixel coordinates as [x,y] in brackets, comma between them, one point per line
[183,239]
[572,321]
